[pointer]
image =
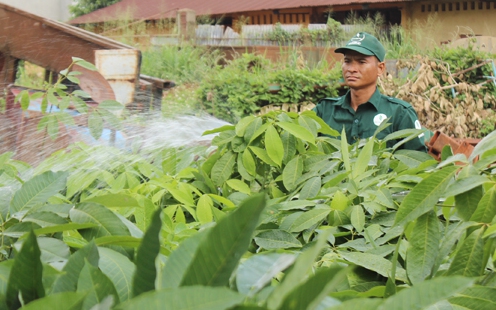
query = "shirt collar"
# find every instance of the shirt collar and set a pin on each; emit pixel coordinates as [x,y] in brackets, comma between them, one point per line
[375,100]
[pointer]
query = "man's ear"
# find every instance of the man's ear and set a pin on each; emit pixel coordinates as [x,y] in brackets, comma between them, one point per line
[381,68]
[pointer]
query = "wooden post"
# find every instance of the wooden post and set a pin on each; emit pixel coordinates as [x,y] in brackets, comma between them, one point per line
[186,24]
[8,71]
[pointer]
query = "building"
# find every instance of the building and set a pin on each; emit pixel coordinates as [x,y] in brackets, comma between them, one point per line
[448,20]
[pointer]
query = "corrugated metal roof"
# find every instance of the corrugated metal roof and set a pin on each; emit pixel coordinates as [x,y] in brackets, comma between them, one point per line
[156,9]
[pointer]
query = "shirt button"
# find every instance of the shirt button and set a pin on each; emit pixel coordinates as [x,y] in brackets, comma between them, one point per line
[356,121]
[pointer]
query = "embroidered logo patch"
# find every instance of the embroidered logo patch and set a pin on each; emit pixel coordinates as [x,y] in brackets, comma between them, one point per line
[379,118]
[418,126]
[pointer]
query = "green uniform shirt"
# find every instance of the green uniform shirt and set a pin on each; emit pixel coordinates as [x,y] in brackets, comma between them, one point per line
[363,122]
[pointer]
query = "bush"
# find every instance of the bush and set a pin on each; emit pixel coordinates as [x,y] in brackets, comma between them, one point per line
[242,87]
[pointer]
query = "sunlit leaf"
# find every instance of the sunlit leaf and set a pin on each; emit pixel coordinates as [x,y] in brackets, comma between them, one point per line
[119,269]
[311,188]
[83,63]
[308,219]
[223,168]
[37,190]
[186,298]
[276,239]
[257,271]
[298,131]
[262,154]
[424,196]
[273,144]
[292,172]
[426,293]
[357,217]
[375,263]
[204,209]
[59,301]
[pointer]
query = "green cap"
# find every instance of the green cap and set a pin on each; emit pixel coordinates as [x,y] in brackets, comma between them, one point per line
[365,44]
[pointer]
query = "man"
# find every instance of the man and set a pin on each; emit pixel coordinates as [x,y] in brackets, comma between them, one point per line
[363,107]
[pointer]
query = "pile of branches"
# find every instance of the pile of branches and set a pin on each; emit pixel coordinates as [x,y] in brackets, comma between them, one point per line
[455,101]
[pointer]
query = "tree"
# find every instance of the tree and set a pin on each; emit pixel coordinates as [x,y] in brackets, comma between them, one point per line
[82,7]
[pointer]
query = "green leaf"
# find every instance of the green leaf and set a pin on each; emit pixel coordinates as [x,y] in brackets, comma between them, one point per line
[292,172]
[37,190]
[324,127]
[299,272]
[477,298]
[223,168]
[119,269]
[257,271]
[127,241]
[363,159]
[69,279]
[5,268]
[309,294]
[146,273]
[239,186]
[276,239]
[249,163]
[204,209]
[486,209]
[52,126]
[466,203]
[185,298]
[289,145]
[357,217]
[488,143]
[109,223]
[214,268]
[345,154]
[465,184]
[308,219]
[426,293]
[469,259]
[424,246]
[298,131]
[311,188]
[45,219]
[273,144]
[96,285]
[358,303]
[25,278]
[339,201]
[262,154]
[64,227]
[110,105]
[179,261]
[95,123]
[114,200]
[424,196]
[375,263]
[59,301]
[83,63]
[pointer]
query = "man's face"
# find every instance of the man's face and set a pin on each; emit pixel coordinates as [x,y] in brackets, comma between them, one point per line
[361,71]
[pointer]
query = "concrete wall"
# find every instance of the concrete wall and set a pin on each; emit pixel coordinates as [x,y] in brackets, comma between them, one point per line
[441,22]
[53,9]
